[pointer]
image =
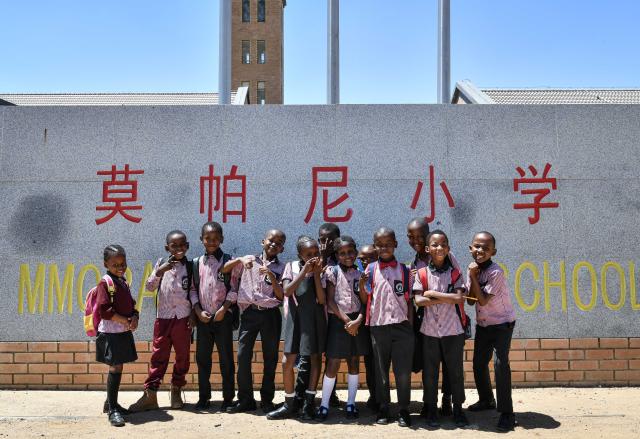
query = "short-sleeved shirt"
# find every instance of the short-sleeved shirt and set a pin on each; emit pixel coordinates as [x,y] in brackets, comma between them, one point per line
[212,292]
[176,296]
[499,309]
[440,320]
[388,303]
[123,304]
[254,288]
[346,283]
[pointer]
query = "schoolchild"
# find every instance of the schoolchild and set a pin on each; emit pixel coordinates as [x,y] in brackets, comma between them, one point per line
[366,255]
[439,288]
[172,278]
[119,317]
[495,320]
[260,295]
[215,317]
[386,288]
[304,325]
[346,337]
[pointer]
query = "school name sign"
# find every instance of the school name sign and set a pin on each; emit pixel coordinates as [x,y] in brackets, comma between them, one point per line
[557,185]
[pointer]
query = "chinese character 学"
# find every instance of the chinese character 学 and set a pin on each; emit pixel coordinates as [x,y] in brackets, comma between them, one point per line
[210,200]
[542,187]
[317,184]
[119,189]
[432,195]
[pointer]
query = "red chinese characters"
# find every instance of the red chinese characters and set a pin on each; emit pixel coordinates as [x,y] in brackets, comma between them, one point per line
[317,184]
[432,195]
[118,190]
[540,191]
[210,200]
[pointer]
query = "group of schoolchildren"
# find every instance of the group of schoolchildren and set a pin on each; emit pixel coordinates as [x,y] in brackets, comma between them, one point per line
[338,300]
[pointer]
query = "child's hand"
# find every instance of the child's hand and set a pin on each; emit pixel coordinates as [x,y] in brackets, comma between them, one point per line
[474,269]
[247,261]
[318,268]
[133,325]
[309,266]
[204,316]
[265,271]
[219,315]
[352,327]
[364,276]
[162,269]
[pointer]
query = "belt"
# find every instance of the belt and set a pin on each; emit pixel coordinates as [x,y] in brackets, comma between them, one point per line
[259,308]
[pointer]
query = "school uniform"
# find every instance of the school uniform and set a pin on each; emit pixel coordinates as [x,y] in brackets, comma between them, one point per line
[175,297]
[494,327]
[305,325]
[443,336]
[418,264]
[212,293]
[114,342]
[392,335]
[340,344]
[260,315]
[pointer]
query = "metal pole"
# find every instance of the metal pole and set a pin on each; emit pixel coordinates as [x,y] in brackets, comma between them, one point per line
[224,67]
[333,52]
[444,51]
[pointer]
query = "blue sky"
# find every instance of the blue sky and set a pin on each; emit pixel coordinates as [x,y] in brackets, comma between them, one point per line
[388,48]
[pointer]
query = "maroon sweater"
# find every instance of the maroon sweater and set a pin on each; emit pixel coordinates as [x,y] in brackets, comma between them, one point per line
[123,303]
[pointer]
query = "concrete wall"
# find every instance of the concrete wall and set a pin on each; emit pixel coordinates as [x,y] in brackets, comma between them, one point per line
[573,272]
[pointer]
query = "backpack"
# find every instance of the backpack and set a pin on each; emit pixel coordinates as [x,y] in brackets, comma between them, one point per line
[91,312]
[195,271]
[406,288]
[464,320]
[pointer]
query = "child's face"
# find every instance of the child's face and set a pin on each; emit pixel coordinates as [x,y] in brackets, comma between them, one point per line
[346,255]
[482,248]
[117,265]
[310,250]
[273,244]
[211,239]
[386,246]
[417,239]
[367,255]
[177,246]
[326,238]
[438,248]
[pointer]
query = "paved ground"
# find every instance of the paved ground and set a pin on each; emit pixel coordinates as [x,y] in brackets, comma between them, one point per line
[546,413]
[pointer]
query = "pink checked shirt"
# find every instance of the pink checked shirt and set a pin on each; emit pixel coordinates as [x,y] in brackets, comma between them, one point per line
[387,307]
[175,292]
[499,309]
[440,320]
[213,292]
[254,288]
[346,287]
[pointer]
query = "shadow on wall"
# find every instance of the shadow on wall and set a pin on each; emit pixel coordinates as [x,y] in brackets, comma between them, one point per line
[40,222]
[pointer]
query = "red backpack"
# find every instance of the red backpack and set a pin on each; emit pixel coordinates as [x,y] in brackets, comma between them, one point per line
[455,275]
[91,311]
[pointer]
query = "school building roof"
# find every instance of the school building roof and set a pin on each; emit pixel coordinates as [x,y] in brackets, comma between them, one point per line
[468,93]
[102,99]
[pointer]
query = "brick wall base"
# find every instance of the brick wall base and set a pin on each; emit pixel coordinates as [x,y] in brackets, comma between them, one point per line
[534,363]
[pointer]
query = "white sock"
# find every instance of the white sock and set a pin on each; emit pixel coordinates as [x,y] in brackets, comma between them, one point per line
[311,392]
[327,388]
[352,382]
[290,395]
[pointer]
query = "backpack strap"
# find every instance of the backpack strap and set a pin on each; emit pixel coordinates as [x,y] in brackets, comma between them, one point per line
[226,276]
[162,261]
[424,280]
[195,272]
[455,275]
[369,287]
[111,287]
[406,276]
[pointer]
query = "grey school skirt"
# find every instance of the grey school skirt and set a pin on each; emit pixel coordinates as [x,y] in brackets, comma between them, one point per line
[115,348]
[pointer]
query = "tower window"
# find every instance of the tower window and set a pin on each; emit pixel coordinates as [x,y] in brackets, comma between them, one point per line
[261,11]
[246,11]
[261,93]
[246,52]
[262,52]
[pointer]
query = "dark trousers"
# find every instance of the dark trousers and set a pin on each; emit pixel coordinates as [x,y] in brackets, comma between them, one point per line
[393,344]
[446,387]
[448,350]
[220,333]
[166,333]
[267,323]
[370,365]
[490,339]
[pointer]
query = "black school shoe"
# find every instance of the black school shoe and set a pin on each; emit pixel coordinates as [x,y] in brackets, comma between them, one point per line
[430,412]
[242,406]
[203,404]
[482,405]
[507,422]
[226,405]
[123,411]
[459,418]
[351,411]
[382,417]
[286,411]
[322,414]
[308,408]
[116,419]
[404,419]
[267,406]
